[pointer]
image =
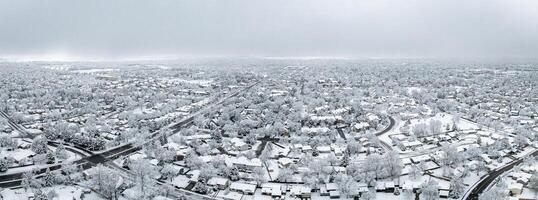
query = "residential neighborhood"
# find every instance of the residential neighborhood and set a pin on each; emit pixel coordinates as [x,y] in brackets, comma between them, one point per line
[286,132]
[269,100]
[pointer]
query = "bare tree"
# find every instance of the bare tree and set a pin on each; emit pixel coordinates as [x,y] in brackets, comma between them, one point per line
[144,173]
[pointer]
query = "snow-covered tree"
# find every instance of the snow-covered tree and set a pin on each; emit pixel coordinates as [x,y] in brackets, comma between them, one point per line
[533,181]
[49,178]
[28,180]
[39,145]
[201,188]
[105,181]
[61,152]
[353,147]
[144,173]
[393,163]
[429,190]
[5,163]
[495,193]
[457,187]
[285,174]
[370,195]
[259,175]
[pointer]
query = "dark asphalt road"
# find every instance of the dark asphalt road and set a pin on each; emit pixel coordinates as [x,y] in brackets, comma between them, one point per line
[481,187]
[389,127]
[341,133]
[12,180]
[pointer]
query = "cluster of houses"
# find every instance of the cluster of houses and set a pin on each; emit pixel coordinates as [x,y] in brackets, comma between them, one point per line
[517,182]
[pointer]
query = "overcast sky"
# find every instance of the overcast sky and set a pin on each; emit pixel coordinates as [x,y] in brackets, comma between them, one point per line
[110,29]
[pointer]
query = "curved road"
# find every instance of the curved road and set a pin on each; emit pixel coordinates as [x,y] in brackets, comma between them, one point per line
[485,182]
[389,127]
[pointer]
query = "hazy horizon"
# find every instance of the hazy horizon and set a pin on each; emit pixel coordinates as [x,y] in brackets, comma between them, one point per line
[141,30]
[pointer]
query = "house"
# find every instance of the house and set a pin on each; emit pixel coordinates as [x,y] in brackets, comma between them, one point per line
[515,188]
[411,145]
[335,194]
[361,126]
[338,150]
[324,149]
[229,195]
[272,189]
[380,187]
[323,191]
[443,193]
[198,137]
[284,162]
[24,145]
[330,119]
[180,181]
[520,177]
[239,144]
[389,186]
[220,183]
[372,117]
[301,191]
[244,188]
[161,198]
[276,192]
[486,158]
[331,186]
[307,149]
[243,162]
[267,190]
[397,137]
[421,158]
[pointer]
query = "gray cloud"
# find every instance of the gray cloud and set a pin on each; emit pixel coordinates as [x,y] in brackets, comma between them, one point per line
[345,28]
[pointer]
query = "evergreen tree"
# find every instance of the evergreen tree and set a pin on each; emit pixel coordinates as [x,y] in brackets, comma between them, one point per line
[51,158]
[49,179]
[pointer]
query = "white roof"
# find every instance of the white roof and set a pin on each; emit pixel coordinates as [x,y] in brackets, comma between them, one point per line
[161,198]
[243,187]
[331,186]
[361,125]
[180,181]
[420,158]
[255,162]
[517,186]
[237,141]
[324,148]
[285,161]
[314,129]
[199,136]
[326,118]
[299,189]
[217,181]
[334,193]
[230,195]
[413,143]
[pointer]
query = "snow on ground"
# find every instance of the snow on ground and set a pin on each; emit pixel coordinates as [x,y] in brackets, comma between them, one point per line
[446,119]
[529,194]
[525,152]
[410,90]
[395,130]
[15,134]
[15,194]
[62,192]
[194,82]
[90,71]
[57,67]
